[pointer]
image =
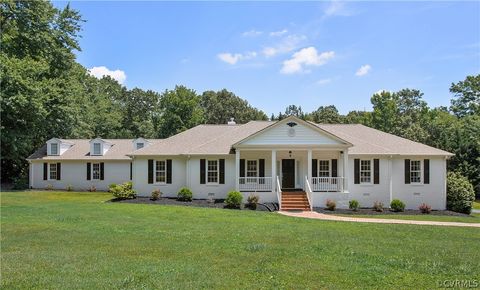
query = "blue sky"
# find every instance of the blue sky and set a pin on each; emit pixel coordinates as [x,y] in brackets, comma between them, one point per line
[278,53]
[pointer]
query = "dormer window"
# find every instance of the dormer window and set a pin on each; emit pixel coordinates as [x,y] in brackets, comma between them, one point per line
[54,149]
[140,145]
[97,149]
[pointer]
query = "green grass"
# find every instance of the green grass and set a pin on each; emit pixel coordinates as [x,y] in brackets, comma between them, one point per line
[54,240]
[476,204]
[473,218]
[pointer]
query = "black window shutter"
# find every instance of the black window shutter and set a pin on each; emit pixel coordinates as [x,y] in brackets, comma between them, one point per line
[407,171]
[261,167]
[150,171]
[334,168]
[242,167]
[89,167]
[59,171]
[376,171]
[222,171]
[131,170]
[45,171]
[169,171]
[314,167]
[426,171]
[102,171]
[356,171]
[202,171]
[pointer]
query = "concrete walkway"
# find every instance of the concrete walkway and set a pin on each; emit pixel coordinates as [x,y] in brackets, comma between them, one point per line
[475,210]
[322,216]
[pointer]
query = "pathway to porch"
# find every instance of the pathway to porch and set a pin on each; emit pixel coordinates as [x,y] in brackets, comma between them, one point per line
[321,216]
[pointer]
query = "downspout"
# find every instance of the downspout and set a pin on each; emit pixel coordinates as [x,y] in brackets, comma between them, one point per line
[390,170]
[30,174]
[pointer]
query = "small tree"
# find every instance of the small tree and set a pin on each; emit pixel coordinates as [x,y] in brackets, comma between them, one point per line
[460,193]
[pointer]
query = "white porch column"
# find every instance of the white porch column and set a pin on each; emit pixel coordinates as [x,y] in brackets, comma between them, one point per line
[309,166]
[274,169]
[237,169]
[345,170]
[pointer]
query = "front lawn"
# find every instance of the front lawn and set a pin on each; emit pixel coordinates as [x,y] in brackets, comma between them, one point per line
[53,240]
[476,204]
[473,218]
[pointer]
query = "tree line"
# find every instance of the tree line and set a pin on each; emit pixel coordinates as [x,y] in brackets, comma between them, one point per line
[47,93]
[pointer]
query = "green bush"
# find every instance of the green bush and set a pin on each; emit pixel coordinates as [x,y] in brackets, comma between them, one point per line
[378,206]
[123,191]
[234,199]
[20,183]
[252,201]
[397,205]
[354,204]
[156,194]
[460,193]
[185,194]
[425,208]
[331,204]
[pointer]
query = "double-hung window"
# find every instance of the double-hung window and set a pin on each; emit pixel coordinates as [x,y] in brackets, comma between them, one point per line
[365,171]
[415,171]
[160,171]
[53,171]
[323,168]
[96,171]
[252,171]
[212,171]
[54,149]
[97,149]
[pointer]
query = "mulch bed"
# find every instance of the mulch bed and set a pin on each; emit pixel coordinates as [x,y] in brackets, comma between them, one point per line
[217,203]
[369,211]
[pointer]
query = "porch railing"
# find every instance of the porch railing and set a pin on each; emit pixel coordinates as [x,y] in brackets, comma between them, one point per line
[278,191]
[255,183]
[328,184]
[308,190]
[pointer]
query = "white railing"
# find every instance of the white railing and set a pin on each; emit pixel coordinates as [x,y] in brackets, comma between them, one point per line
[279,197]
[308,190]
[255,183]
[331,184]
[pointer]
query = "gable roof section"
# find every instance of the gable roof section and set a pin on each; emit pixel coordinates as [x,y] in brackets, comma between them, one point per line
[80,150]
[367,140]
[322,133]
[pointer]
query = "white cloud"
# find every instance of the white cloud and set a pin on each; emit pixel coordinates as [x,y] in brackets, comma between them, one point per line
[323,82]
[337,8]
[100,71]
[233,58]
[287,44]
[363,70]
[305,57]
[278,33]
[252,33]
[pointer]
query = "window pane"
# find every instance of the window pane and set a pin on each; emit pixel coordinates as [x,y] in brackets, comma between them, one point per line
[251,168]
[160,171]
[212,171]
[96,171]
[139,145]
[54,149]
[415,171]
[53,171]
[96,148]
[323,168]
[365,171]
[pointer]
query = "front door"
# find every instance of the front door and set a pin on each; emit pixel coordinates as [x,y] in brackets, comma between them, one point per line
[288,173]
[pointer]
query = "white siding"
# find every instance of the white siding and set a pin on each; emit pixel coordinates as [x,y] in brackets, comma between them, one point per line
[140,177]
[278,135]
[219,190]
[74,173]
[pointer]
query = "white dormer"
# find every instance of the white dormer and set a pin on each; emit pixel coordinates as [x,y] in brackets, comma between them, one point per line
[139,143]
[99,147]
[56,147]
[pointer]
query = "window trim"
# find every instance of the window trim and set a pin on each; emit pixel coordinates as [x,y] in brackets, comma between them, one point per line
[56,171]
[100,147]
[207,171]
[155,171]
[58,149]
[329,167]
[371,172]
[420,171]
[91,171]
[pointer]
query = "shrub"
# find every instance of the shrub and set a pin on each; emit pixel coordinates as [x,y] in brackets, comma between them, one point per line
[234,199]
[69,187]
[49,187]
[20,183]
[378,206]
[397,205]
[331,204]
[185,194]
[156,194]
[354,204]
[460,193]
[92,188]
[123,191]
[252,201]
[425,208]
